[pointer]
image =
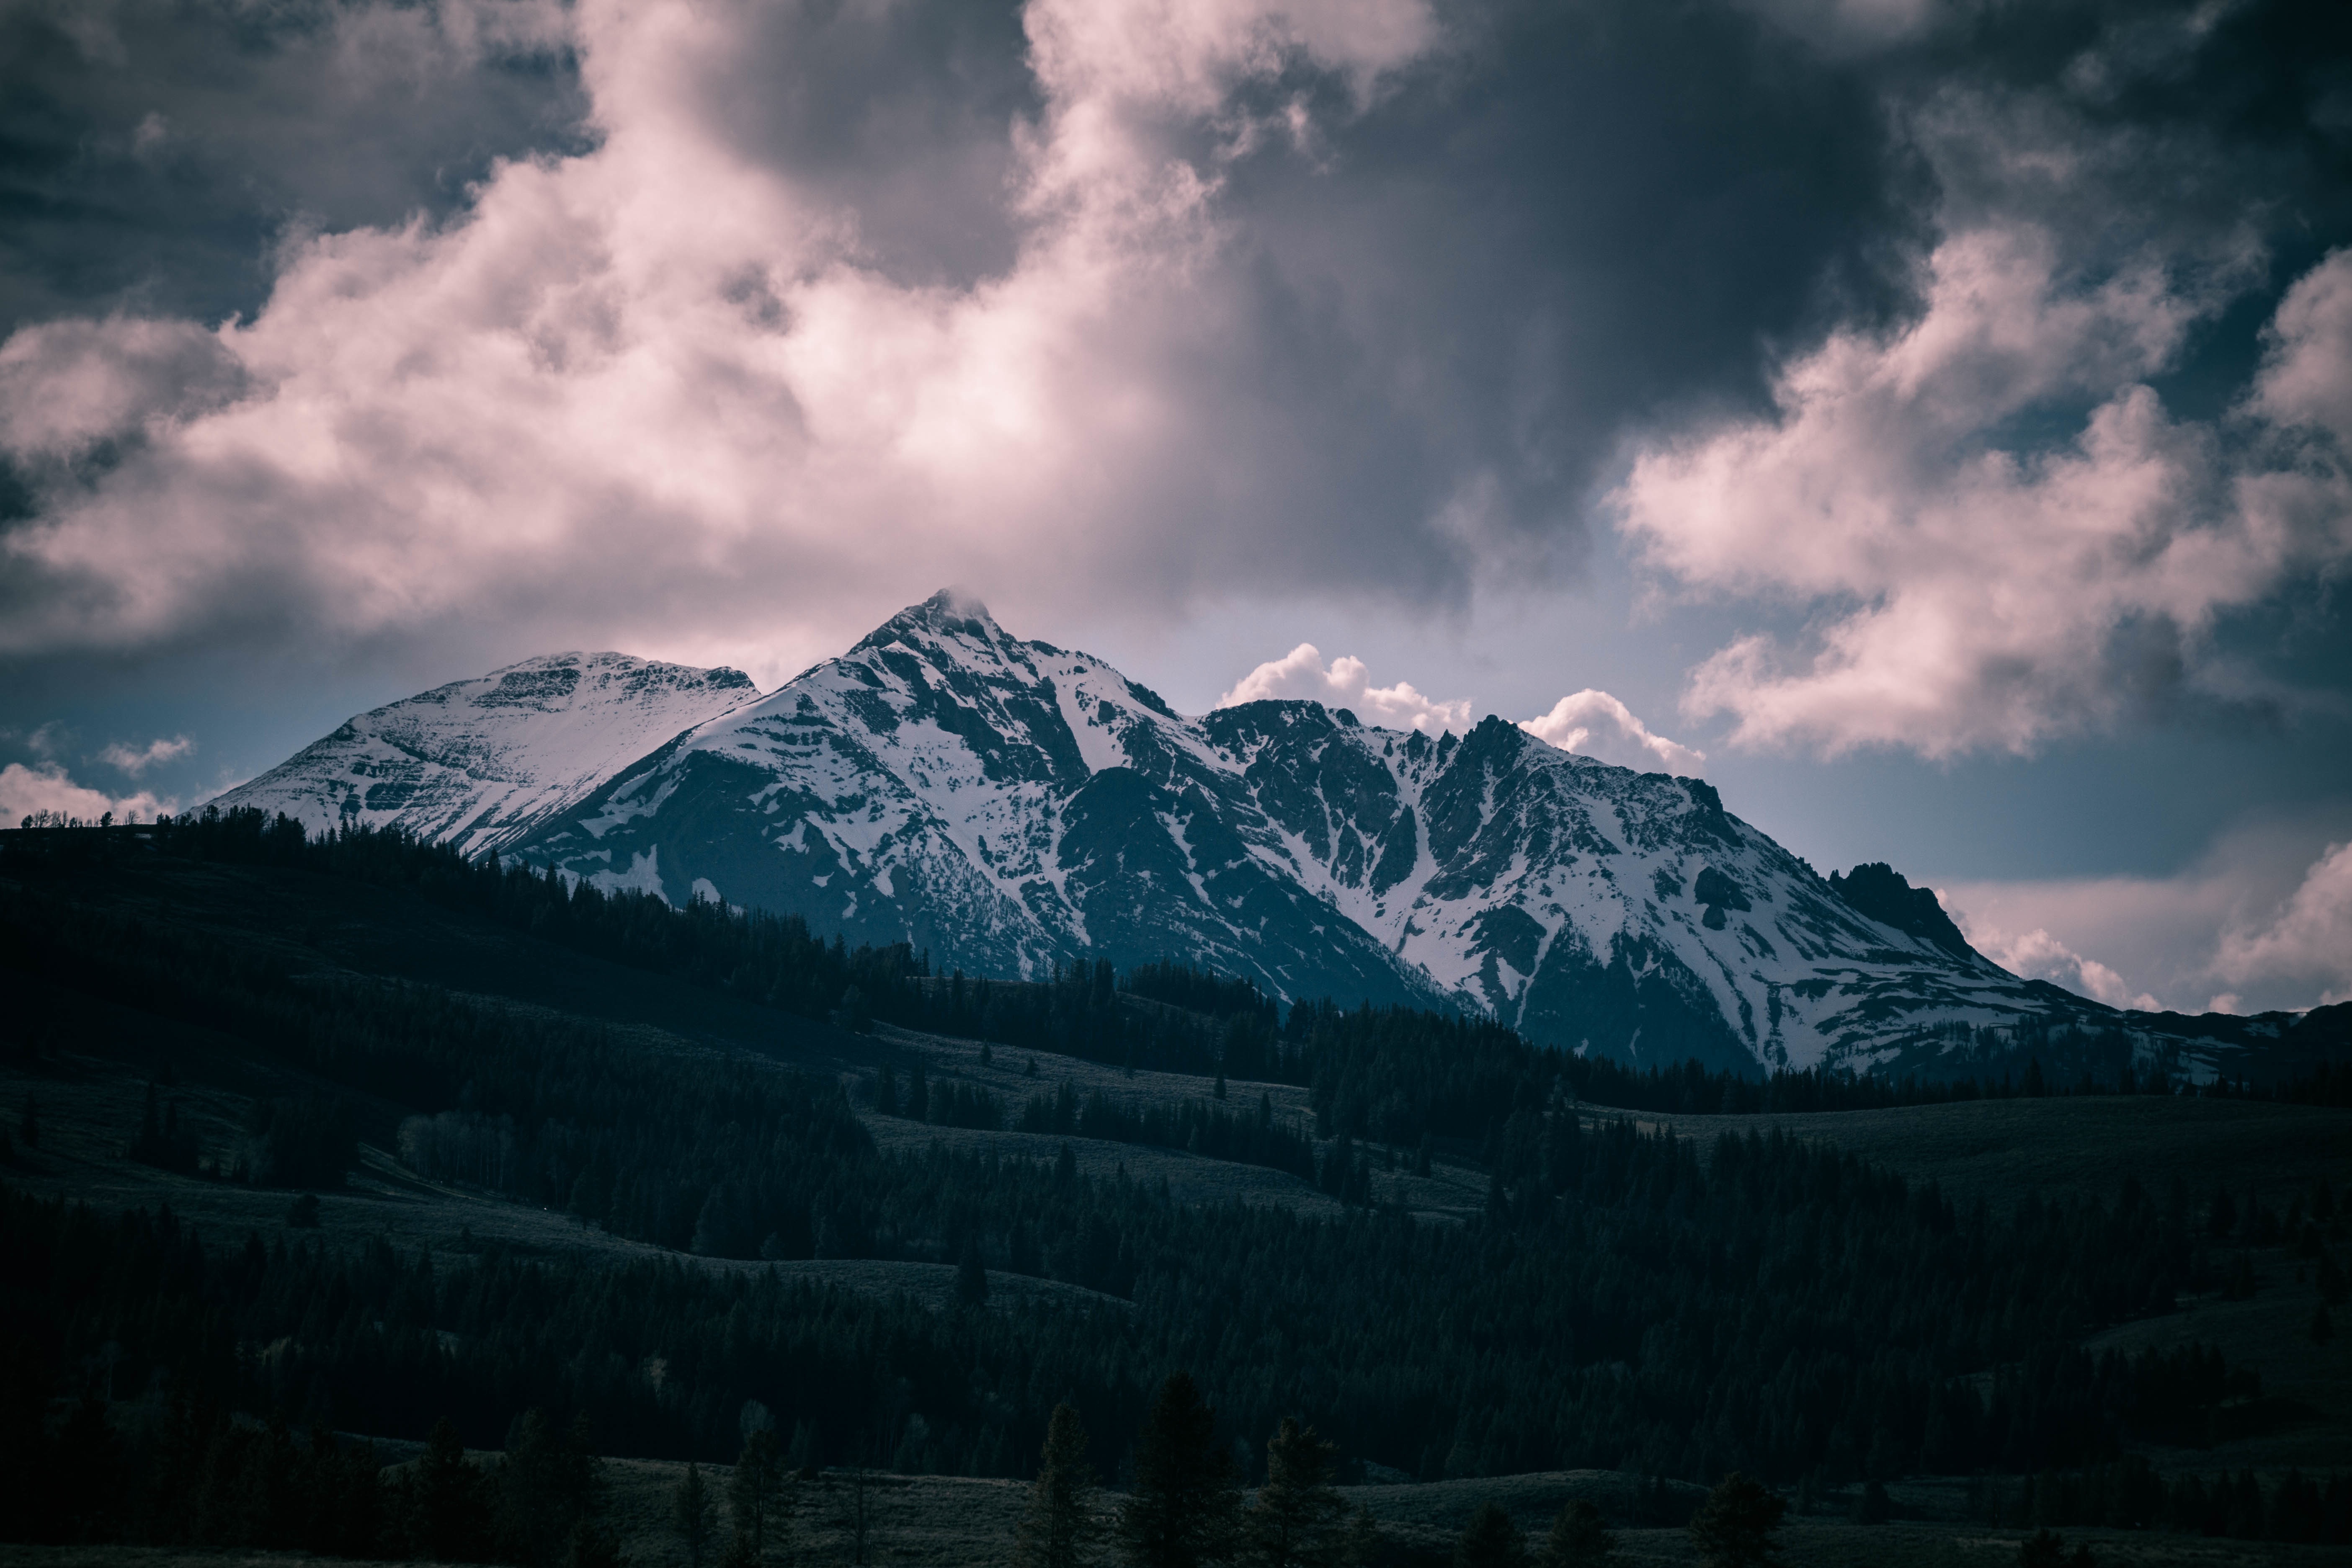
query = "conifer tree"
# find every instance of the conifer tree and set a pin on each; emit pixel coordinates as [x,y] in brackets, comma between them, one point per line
[1490,1540]
[1294,1521]
[547,1487]
[452,1517]
[1577,1538]
[1181,1513]
[690,1513]
[1739,1525]
[756,1499]
[1060,1524]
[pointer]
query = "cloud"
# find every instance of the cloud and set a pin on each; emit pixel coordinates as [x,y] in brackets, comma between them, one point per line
[134,761]
[1981,526]
[47,787]
[65,386]
[2305,382]
[719,330]
[2307,938]
[1973,597]
[1145,302]
[2261,920]
[666,377]
[1595,725]
[2037,955]
[1347,683]
[170,147]
[1590,723]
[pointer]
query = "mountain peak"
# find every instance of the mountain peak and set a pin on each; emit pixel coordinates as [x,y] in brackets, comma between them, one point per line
[1885,894]
[948,610]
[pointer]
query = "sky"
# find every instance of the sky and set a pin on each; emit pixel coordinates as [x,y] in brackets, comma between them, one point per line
[1932,423]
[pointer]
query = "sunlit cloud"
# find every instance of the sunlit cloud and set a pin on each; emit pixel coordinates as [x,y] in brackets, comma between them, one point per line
[1598,726]
[47,787]
[134,761]
[1346,682]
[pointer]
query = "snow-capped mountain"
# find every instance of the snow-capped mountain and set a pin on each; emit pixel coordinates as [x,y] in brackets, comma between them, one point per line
[482,762]
[1005,802]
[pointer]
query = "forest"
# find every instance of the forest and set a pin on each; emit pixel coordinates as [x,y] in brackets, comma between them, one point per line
[1626,1300]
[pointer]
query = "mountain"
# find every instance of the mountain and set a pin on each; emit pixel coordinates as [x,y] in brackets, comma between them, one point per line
[1007,804]
[482,762]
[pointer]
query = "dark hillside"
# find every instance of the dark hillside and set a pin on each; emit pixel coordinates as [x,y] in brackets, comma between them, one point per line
[592,1172]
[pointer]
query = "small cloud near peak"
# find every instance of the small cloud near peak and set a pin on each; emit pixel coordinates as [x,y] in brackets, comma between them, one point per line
[1594,725]
[1346,682]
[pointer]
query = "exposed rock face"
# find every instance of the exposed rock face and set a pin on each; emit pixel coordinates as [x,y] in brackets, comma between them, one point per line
[1880,892]
[1005,804]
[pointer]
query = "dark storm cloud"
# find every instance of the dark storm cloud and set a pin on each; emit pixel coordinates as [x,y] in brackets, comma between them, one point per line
[2004,531]
[1567,221]
[904,114]
[151,153]
[1088,302]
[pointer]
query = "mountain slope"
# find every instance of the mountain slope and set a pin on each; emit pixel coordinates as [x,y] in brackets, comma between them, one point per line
[1008,804]
[1004,804]
[483,761]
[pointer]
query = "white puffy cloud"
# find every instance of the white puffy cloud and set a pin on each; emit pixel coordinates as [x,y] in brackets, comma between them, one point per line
[2037,955]
[1588,722]
[1345,682]
[1595,725]
[66,384]
[47,787]
[1981,527]
[2261,920]
[134,761]
[2307,938]
[2306,376]
[1969,596]
[664,386]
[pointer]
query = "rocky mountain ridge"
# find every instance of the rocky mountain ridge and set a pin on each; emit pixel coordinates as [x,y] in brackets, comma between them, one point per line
[1006,806]
[1006,803]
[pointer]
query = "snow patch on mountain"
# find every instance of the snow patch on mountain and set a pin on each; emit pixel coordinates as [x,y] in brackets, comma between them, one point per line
[482,762]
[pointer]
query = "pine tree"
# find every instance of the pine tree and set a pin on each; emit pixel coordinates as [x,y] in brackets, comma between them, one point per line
[452,1517]
[1490,1540]
[1294,1523]
[1181,1513]
[1060,1524]
[756,1497]
[546,1489]
[1577,1538]
[690,1513]
[1739,1524]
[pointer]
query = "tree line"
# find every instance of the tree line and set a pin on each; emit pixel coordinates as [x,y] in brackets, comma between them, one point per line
[1396,1073]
